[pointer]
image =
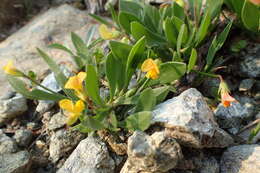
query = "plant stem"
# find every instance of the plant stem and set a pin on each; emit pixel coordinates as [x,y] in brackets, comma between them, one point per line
[206,74]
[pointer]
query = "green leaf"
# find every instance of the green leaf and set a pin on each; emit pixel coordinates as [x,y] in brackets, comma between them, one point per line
[214,7]
[170,32]
[138,31]
[112,74]
[192,60]
[250,16]
[203,29]
[139,121]
[91,123]
[92,86]
[171,71]
[254,132]
[146,101]
[83,129]
[131,7]
[120,50]
[134,58]
[161,93]
[61,47]
[178,11]
[36,94]
[152,18]
[79,44]
[100,19]
[90,35]
[60,77]
[181,37]
[125,20]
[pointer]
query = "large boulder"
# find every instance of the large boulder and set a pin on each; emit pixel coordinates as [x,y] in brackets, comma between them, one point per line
[241,159]
[190,121]
[53,26]
[90,156]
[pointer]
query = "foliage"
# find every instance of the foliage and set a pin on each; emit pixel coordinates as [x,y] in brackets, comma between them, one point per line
[160,42]
[247,12]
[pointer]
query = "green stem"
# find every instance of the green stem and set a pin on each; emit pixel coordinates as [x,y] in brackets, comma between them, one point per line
[143,86]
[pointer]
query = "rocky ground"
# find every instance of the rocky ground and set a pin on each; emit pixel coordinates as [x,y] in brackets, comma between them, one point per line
[188,135]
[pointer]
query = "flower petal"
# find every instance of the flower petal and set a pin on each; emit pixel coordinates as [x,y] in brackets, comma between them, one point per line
[73,83]
[147,65]
[81,76]
[105,33]
[79,106]
[10,69]
[67,105]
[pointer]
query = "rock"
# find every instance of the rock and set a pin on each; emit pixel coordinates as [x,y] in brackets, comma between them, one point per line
[59,2]
[7,144]
[47,28]
[90,156]
[23,137]
[246,84]
[250,65]
[63,141]
[12,107]
[210,86]
[190,121]
[15,163]
[151,154]
[209,165]
[57,121]
[242,159]
[230,118]
[95,6]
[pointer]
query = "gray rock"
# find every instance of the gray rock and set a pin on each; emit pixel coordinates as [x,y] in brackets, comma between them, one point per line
[12,107]
[59,2]
[242,159]
[7,144]
[246,84]
[190,121]
[151,154]
[90,156]
[23,137]
[47,28]
[209,165]
[63,141]
[95,6]
[57,121]
[250,65]
[15,163]
[230,118]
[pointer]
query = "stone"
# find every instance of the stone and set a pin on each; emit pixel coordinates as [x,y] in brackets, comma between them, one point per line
[57,121]
[59,2]
[63,141]
[209,165]
[241,159]
[151,154]
[231,117]
[7,144]
[12,107]
[246,84]
[250,64]
[90,156]
[190,121]
[15,163]
[95,6]
[46,28]
[23,137]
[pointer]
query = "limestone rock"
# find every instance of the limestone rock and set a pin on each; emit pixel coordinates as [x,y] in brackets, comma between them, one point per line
[190,121]
[151,154]
[7,144]
[241,159]
[15,163]
[57,121]
[12,107]
[246,84]
[90,156]
[63,141]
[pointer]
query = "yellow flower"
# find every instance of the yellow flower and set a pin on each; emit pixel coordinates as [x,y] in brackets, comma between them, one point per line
[226,99]
[106,33]
[74,110]
[11,70]
[76,83]
[179,2]
[151,68]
